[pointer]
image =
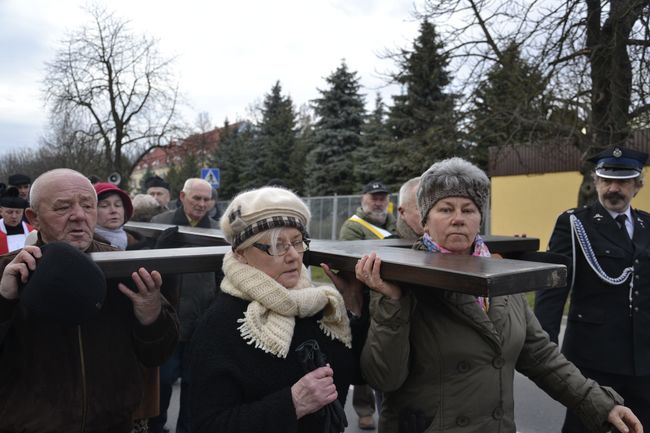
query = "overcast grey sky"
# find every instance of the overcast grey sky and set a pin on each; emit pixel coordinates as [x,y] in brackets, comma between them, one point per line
[229,53]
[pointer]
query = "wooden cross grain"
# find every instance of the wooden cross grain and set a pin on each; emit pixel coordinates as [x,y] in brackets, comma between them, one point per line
[467,274]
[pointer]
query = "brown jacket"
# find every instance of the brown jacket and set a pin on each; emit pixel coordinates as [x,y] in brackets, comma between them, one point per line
[87,378]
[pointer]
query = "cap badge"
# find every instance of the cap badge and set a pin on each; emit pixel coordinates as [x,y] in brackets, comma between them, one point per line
[617,153]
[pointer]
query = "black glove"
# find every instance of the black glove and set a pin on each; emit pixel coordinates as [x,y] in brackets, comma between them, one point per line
[311,358]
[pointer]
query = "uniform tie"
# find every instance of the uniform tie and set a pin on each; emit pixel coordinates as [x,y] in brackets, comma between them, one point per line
[621,223]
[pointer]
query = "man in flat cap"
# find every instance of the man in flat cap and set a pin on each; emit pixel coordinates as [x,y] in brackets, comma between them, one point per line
[372,220]
[608,330]
[22,182]
[59,375]
[13,230]
[159,189]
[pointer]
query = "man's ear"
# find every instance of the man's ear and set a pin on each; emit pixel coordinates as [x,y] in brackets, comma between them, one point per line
[32,217]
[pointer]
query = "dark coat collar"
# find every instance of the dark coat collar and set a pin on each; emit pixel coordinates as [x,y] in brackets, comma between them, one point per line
[180,219]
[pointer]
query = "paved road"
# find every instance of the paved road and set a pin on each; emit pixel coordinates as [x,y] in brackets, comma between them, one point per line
[535,412]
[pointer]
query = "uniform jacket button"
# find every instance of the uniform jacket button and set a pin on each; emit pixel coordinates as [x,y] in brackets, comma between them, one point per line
[498,362]
[462,421]
[463,366]
[497,413]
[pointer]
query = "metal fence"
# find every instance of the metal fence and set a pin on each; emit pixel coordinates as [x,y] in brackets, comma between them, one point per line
[328,213]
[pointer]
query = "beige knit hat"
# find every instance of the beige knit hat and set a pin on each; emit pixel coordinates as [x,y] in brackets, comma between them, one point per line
[258,210]
[453,177]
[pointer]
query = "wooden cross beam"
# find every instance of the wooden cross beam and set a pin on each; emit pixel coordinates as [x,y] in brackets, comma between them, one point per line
[466,274]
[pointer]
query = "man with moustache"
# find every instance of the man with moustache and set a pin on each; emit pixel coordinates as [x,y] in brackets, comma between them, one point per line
[371,221]
[608,329]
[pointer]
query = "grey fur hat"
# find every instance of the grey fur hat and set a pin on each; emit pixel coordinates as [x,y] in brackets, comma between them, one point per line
[453,177]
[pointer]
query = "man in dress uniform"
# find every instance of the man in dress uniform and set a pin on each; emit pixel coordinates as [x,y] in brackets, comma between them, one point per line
[608,329]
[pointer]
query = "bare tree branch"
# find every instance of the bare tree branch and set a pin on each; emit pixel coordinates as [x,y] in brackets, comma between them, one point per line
[118,83]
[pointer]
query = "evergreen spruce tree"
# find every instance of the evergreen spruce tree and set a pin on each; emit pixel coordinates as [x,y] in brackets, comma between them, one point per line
[509,107]
[232,158]
[304,144]
[249,157]
[422,121]
[276,139]
[370,155]
[340,116]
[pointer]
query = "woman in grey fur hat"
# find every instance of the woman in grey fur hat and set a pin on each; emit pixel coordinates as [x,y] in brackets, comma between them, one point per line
[445,360]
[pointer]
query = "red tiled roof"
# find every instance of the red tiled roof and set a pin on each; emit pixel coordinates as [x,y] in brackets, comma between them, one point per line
[160,157]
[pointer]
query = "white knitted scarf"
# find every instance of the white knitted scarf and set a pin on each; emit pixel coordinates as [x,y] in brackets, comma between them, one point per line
[269,319]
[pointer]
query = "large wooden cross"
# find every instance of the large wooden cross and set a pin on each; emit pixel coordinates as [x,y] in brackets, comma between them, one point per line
[473,275]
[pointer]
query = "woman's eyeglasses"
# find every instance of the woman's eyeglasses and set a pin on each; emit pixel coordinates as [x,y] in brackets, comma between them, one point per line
[282,249]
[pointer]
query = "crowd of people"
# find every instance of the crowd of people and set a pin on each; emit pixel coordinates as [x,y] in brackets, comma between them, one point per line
[258,346]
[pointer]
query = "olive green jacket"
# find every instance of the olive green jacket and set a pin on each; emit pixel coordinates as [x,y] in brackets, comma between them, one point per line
[354,231]
[439,353]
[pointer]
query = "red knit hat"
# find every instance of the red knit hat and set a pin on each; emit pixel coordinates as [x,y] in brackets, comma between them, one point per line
[104,188]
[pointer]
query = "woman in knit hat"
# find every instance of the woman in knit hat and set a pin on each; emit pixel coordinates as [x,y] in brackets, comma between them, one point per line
[446,360]
[274,353]
[114,209]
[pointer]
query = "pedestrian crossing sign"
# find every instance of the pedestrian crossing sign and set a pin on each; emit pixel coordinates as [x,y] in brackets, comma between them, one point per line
[212,176]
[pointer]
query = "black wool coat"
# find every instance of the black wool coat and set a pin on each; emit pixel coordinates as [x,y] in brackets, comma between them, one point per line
[237,388]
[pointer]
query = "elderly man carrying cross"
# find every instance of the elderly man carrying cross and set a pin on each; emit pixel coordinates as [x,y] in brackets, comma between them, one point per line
[58,374]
